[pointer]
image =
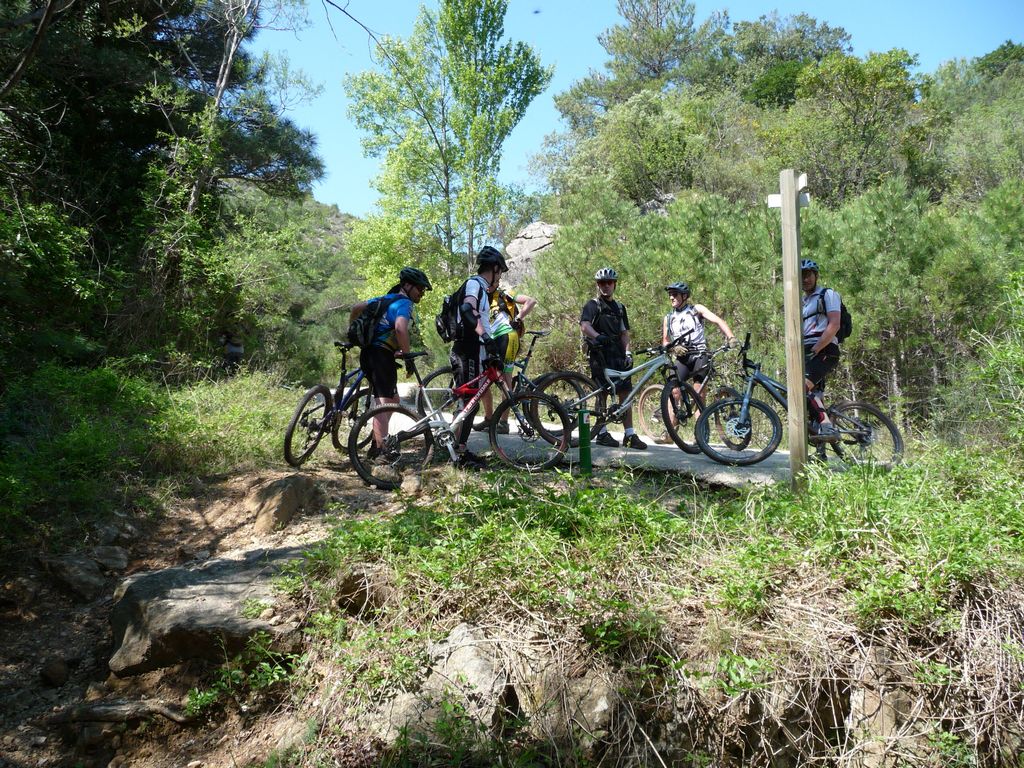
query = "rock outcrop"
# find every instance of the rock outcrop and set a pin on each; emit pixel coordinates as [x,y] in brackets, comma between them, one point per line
[164,617]
[523,250]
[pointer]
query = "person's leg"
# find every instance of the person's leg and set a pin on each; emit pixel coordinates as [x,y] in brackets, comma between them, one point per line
[379,365]
[466,360]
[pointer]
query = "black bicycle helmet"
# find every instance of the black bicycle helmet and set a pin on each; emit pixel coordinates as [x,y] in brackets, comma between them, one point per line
[808,264]
[489,256]
[606,273]
[680,287]
[415,276]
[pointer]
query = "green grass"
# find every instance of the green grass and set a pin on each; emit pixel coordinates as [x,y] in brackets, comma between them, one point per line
[77,444]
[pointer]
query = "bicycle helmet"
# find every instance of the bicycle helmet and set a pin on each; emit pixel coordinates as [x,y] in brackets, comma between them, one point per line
[415,276]
[606,273]
[489,256]
[680,287]
[808,264]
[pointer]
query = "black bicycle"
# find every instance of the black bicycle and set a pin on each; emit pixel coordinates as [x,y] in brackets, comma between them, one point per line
[665,411]
[741,431]
[320,411]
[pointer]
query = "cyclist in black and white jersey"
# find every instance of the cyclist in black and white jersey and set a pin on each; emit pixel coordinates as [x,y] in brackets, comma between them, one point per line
[476,342]
[821,316]
[687,320]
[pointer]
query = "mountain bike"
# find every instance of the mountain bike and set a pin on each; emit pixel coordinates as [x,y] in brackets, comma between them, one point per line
[572,390]
[742,431]
[320,411]
[389,440]
[441,380]
[666,418]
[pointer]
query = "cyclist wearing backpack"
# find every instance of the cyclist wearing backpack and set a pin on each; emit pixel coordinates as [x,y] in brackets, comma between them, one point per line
[605,326]
[686,320]
[390,337]
[822,312]
[475,343]
[507,313]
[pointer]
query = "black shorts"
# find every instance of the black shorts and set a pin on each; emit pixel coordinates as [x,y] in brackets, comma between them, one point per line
[819,366]
[696,367]
[603,357]
[378,363]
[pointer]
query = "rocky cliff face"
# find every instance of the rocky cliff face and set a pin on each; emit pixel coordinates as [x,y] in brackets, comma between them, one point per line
[524,249]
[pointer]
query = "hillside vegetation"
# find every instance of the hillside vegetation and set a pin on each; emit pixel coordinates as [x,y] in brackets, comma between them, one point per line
[154,196]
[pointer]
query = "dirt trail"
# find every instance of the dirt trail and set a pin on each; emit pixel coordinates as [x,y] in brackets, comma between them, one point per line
[55,645]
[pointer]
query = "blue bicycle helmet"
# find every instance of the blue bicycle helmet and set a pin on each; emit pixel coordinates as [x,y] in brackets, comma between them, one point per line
[808,264]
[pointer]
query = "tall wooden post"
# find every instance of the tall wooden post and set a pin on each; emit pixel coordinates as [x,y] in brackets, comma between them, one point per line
[790,199]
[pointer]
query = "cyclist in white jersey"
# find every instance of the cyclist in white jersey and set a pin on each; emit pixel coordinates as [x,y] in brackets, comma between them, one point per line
[687,320]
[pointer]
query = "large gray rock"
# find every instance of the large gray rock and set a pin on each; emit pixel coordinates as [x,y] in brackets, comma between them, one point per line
[164,617]
[77,573]
[524,249]
[274,504]
[466,674]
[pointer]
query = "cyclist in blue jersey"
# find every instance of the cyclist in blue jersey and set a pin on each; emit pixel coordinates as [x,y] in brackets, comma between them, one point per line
[392,338]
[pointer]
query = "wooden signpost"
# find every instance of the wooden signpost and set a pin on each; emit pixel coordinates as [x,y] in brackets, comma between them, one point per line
[790,199]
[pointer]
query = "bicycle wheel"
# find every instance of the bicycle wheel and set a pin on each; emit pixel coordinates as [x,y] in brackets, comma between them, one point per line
[307,425]
[679,408]
[648,414]
[727,437]
[406,448]
[538,436]
[567,388]
[437,386]
[359,402]
[868,436]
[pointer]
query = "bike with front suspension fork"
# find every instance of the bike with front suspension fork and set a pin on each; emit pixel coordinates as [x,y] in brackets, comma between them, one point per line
[742,431]
[322,412]
[666,411]
[389,441]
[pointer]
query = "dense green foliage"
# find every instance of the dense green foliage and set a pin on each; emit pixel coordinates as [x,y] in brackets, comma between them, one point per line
[81,443]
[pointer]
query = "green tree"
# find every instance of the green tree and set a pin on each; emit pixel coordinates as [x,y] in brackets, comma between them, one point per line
[438,113]
[659,46]
[850,125]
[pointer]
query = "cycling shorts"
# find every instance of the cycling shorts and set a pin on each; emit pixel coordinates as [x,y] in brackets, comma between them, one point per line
[696,366]
[378,363]
[818,366]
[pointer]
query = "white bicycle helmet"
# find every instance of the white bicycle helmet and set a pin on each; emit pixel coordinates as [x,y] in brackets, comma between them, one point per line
[606,273]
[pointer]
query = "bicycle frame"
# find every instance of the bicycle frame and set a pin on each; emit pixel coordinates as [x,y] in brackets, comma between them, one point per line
[649,368]
[357,376]
[434,420]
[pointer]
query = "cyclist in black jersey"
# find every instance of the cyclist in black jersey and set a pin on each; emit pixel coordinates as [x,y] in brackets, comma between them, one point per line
[605,325]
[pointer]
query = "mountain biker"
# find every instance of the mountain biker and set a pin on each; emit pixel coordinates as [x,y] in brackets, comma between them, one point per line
[686,320]
[391,339]
[605,326]
[821,315]
[476,342]
[507,313]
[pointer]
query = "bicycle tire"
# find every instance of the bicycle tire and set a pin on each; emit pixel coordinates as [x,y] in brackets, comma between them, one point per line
[566,387]
[868,436]
[648,414]
[438,384]
[677,417]
[531,443]
[344,420]
[307,421]
[735,449]
[403,452]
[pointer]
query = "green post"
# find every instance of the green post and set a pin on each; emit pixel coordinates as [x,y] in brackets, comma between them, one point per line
[586,468]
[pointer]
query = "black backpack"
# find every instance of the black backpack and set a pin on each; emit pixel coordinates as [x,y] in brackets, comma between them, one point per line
[449,320]
[845,319]
[363,330]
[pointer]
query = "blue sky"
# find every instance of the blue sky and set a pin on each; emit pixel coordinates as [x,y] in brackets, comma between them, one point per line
[564,33]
